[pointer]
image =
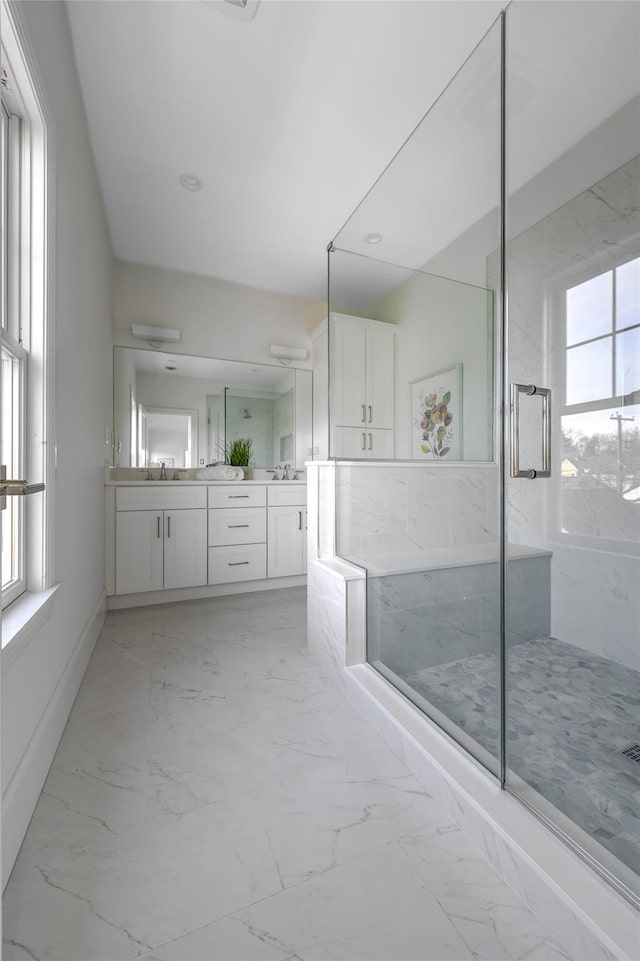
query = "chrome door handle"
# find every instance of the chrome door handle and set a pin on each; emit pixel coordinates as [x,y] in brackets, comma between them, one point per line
[364,441]
[299,520]
[370,442]
[169,525]
[370,413]
[158,534]
[364,414]
[545,469]
[233,526]
[236,563]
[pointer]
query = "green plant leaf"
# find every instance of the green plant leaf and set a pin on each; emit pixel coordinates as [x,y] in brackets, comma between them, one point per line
[447,397]
[425,448]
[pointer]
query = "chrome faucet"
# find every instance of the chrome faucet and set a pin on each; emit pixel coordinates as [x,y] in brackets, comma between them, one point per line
[163,473]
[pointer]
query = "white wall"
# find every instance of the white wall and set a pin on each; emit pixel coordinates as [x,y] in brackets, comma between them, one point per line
[39,683]
[440,323]
[216,318]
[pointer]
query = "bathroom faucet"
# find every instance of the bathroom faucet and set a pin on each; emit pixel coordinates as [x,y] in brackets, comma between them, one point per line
[163,473]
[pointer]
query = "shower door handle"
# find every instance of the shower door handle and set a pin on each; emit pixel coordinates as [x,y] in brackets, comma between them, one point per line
[545,394]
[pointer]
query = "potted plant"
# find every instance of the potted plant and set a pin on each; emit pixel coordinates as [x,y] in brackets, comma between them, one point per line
[238,452]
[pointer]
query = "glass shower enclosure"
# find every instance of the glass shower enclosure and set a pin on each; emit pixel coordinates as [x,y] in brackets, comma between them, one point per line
[501,544]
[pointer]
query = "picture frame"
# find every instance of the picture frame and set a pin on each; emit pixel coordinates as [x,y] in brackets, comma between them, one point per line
[436,415]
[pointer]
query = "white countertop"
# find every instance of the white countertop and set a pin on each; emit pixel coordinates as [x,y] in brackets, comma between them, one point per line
[204,483]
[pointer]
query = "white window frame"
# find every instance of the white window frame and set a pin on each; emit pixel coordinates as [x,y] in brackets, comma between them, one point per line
[34,338]
[557,331]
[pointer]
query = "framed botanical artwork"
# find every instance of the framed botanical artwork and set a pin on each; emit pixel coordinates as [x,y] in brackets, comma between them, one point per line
[436,415]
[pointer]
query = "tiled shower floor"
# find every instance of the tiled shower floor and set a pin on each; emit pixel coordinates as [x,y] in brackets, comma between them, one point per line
[570,716]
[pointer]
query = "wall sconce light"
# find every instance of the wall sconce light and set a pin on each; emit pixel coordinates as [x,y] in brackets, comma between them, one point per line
[157,336]
[286,354]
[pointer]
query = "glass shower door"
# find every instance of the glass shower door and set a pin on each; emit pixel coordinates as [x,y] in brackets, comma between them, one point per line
[573,491]
[426,526]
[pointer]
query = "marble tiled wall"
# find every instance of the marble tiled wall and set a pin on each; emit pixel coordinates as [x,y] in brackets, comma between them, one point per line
[425,618]
[595,600]
[384,509]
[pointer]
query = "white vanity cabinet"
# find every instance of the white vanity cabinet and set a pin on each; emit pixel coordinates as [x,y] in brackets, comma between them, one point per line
[203,540]
[237,533]
[161,539]
[287,530]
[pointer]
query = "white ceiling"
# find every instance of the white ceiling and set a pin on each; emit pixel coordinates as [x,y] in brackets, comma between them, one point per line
[290,117]
[287,118]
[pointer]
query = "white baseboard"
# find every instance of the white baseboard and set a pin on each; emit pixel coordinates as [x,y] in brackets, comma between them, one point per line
[22,793]
[118,602]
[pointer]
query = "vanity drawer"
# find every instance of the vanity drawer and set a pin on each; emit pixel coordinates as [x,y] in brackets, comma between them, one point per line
[247,562]
[237,495]
[289,495]
[155,497]
[237,525]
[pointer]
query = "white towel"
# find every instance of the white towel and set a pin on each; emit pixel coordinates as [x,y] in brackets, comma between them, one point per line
[220,472]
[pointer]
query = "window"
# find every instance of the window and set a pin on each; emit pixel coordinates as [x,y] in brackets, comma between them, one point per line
[601,416]
[24,383]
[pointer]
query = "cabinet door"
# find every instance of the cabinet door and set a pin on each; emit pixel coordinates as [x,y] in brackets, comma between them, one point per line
[349,442]
[286,541]
[380,377]
[185,548]
[348,377]
[380,444]
[139,551]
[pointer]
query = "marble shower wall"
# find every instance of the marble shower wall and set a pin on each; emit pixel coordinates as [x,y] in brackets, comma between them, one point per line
[595,601]
[404,507]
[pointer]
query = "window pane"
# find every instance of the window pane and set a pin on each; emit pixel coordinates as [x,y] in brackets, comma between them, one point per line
[600,474]
[628,294]
[628,361]
[589,309]
[589,372]
[10,375]
[10,454]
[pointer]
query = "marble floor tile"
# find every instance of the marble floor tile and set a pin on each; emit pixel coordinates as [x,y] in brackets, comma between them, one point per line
[488,915]
[215,797]
[374,908]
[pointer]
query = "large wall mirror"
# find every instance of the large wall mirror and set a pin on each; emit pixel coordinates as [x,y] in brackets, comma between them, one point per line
[185,411]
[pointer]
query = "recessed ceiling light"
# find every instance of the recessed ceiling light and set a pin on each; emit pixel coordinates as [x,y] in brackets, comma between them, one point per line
[373,238]
[190,182]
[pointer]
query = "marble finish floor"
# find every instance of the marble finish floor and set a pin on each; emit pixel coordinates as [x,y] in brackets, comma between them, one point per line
[570,715]
[215,797]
